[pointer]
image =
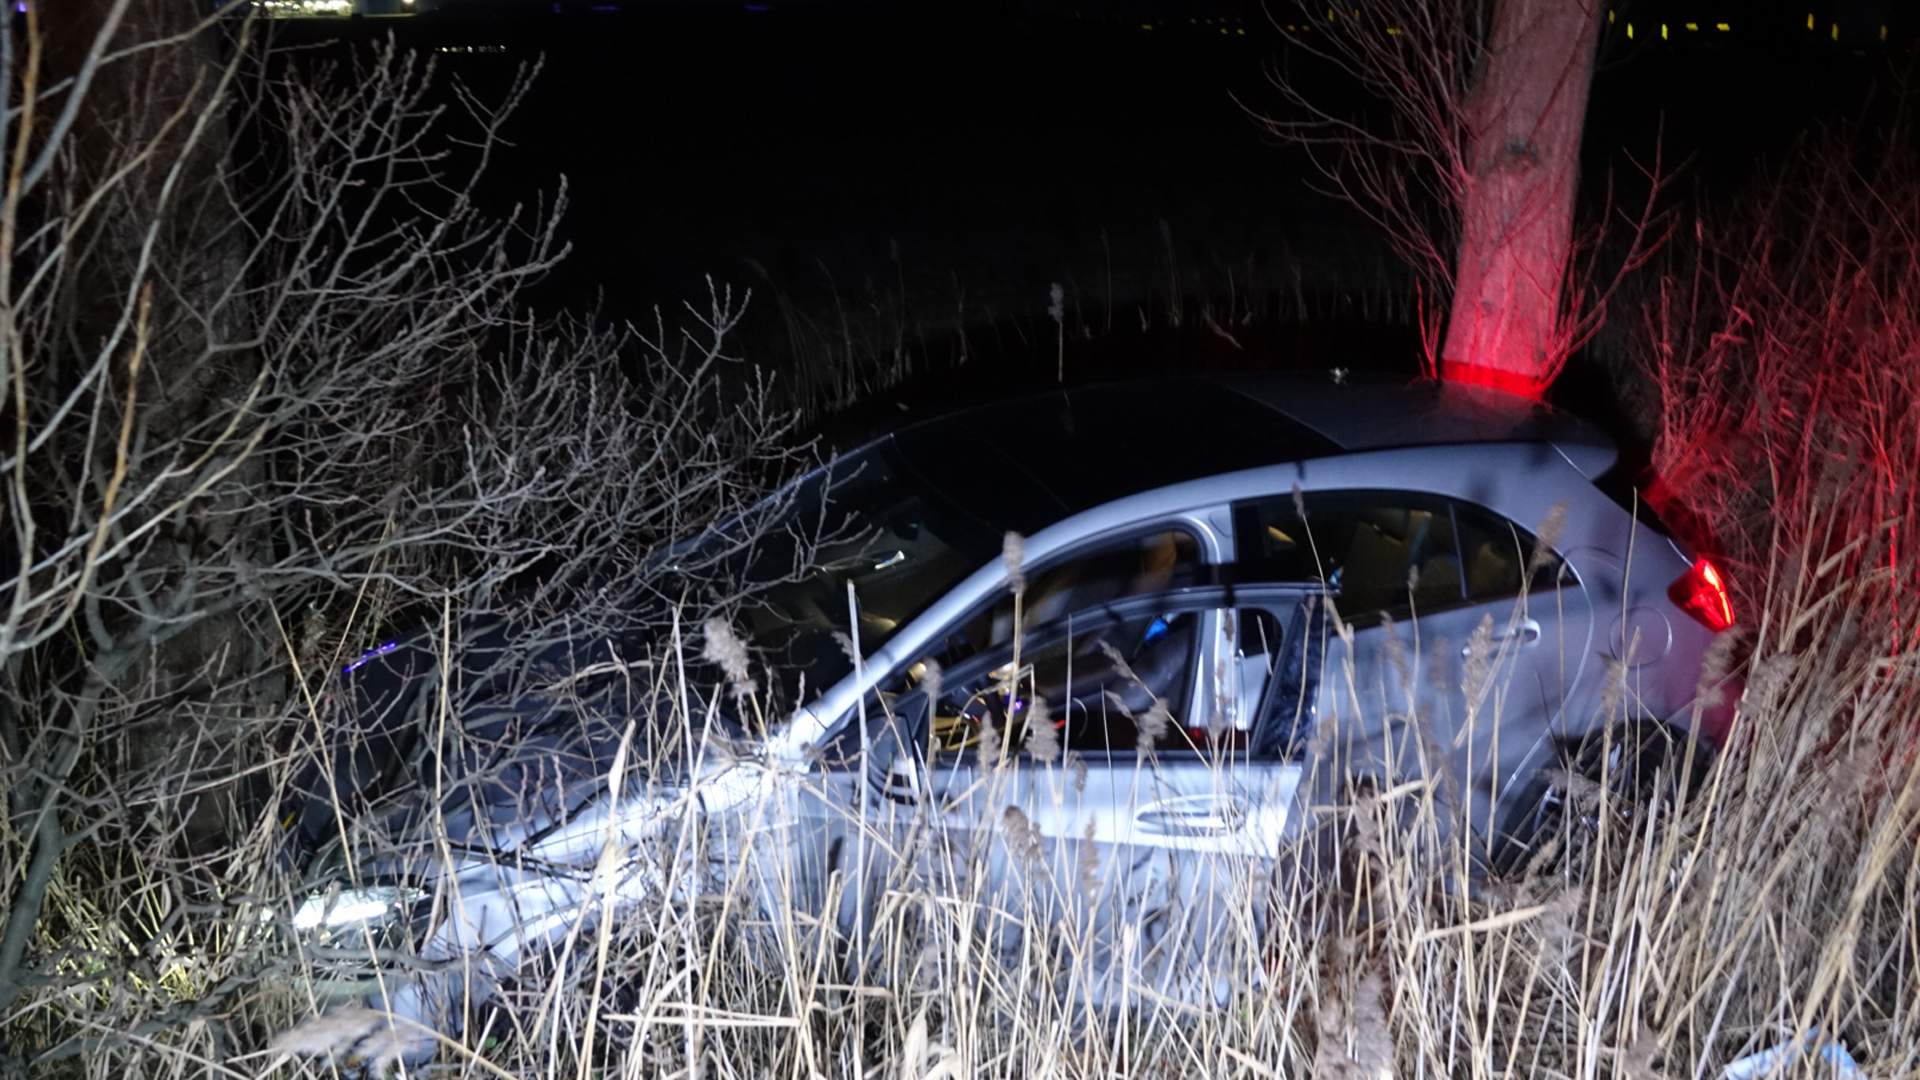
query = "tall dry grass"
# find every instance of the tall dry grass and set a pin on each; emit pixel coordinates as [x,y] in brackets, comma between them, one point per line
[1778,900]
[1774,906]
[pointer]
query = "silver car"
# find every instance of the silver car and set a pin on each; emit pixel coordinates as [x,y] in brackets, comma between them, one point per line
[1132,626]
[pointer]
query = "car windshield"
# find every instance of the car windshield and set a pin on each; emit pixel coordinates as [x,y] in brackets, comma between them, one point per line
[865,520]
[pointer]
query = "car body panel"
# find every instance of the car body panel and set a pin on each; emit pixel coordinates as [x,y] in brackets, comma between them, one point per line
[1094,840]
[1477,474]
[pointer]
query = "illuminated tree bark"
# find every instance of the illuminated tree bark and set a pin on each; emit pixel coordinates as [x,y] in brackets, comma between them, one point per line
[1507,325]
[1472,180]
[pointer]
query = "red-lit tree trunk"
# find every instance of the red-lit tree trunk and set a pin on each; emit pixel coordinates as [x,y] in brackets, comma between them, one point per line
[1524,121]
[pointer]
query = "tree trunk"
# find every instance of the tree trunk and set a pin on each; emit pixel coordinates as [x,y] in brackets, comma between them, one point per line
[1525,118]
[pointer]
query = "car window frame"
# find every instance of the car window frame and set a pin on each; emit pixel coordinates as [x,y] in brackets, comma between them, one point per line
[1212,544]
[1249,570]
[1194,599]
[1294,607]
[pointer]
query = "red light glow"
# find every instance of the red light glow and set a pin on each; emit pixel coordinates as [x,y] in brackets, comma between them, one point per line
[1702,593]
[1494,378]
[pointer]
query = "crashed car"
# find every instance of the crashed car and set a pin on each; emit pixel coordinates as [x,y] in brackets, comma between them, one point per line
[1149,617]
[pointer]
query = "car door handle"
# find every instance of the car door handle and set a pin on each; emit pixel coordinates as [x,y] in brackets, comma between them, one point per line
[1525,632]
[1193,815]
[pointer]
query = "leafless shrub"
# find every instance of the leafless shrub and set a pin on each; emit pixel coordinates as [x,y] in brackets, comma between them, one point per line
[269,397]
[1783,345]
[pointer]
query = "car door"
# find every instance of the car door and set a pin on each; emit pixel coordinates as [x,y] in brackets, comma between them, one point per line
[1462,638]
[1107,781]
[845,824]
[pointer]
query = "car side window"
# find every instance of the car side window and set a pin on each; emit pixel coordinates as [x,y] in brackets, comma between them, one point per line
[1390,552]
[1084,581]
[1497,556]
[1112,682]
[1115,678]
[1152,562]
[1095,682]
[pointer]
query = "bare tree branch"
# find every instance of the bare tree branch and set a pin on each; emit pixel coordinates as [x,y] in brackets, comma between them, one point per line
[272,400]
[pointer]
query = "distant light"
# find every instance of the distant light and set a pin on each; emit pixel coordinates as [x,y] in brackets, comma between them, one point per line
[1721,26]
[1693,26]
[1629,31]
[1835,32]
[1663,31]
[1242,33]
[1809,20]
[1883,33]
[1146,26]
[1609,16]
[1391,32]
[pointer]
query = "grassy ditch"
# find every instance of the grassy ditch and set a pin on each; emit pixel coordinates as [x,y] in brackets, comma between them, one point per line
[1656,939]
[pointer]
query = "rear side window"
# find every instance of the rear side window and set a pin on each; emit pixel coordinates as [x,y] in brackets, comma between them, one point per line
[1495,555]
[1393,552]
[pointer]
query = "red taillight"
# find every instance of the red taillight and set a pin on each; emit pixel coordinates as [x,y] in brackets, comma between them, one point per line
[1702,593]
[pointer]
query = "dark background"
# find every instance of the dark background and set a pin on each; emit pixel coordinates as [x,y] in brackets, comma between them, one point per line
[906,179]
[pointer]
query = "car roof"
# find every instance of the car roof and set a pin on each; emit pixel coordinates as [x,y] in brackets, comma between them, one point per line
[1380,414]
[1036,458]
